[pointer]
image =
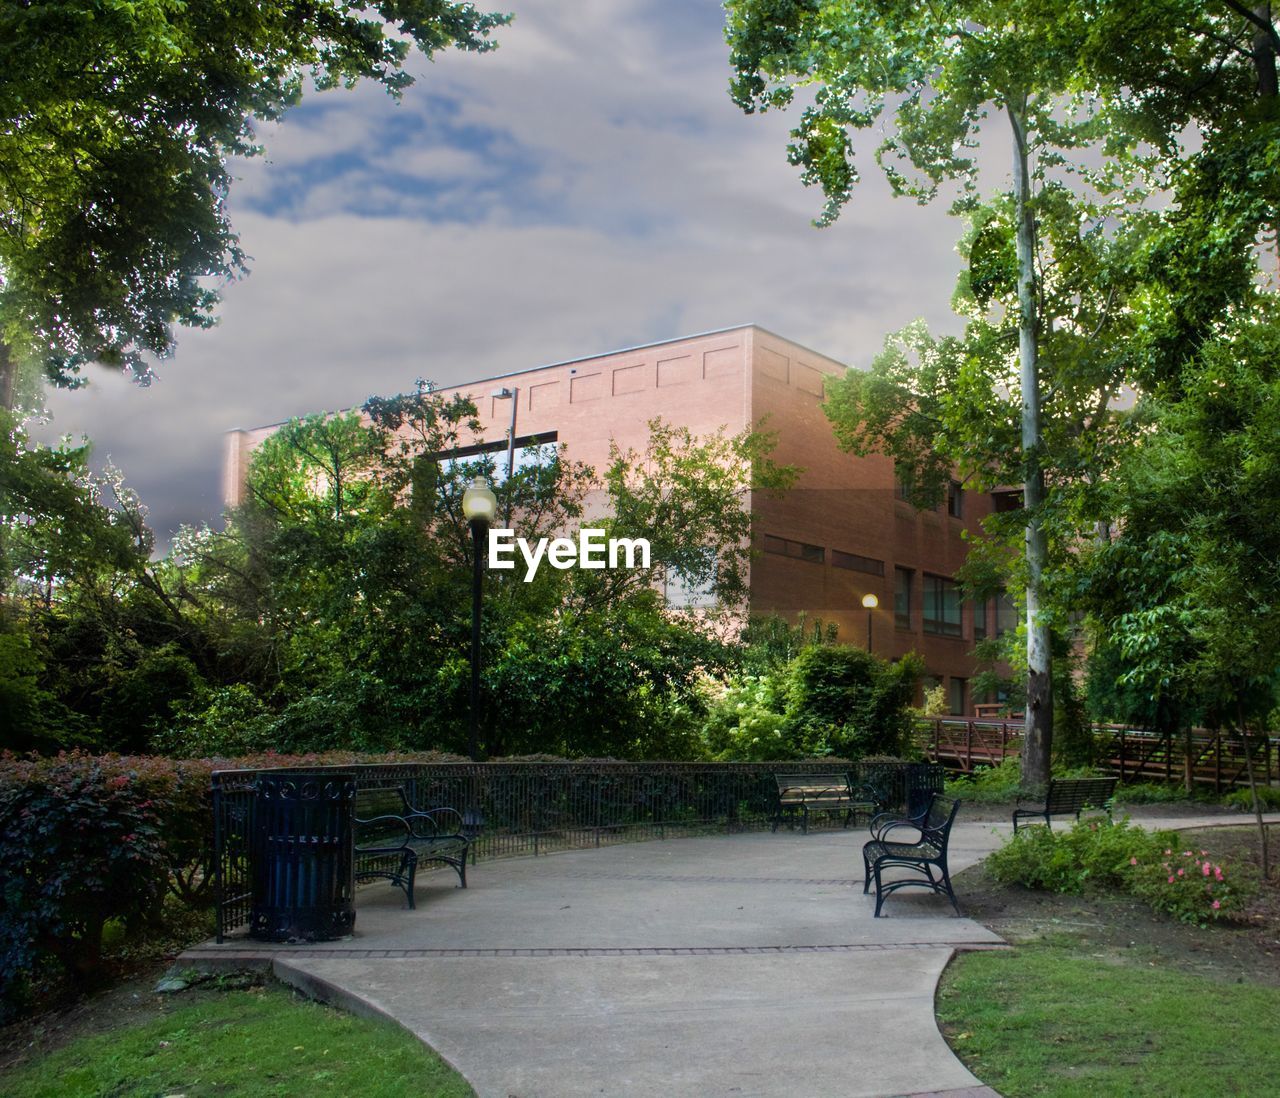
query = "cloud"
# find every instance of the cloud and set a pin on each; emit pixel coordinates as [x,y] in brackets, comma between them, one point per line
[588,186]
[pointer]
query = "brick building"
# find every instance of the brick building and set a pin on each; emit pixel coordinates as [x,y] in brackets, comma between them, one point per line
[839,534]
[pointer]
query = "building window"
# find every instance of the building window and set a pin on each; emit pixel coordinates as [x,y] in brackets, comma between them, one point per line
[956,695]
[902,581]
[955,500]
[800,550]
[855,563]
[1006,501]
[941,606]
[979,619]
[692,592]
[1006,613]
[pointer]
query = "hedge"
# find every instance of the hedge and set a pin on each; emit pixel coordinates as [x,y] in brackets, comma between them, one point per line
[89,839]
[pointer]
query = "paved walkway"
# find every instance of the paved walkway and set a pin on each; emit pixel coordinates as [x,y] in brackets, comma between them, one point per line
[744,965]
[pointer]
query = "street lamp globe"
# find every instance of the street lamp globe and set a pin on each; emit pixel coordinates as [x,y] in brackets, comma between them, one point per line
[870,601]
[479,504]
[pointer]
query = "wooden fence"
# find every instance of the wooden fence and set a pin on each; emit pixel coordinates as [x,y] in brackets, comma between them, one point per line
[1209,757]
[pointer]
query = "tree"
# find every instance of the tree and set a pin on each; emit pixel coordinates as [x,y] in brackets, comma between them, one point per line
[119,119]
[944,66]
[1126,79]
[1187,586]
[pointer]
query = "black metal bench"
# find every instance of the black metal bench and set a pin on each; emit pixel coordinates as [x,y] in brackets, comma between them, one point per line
[800,794]
[925,852]
[392,838]
[1070,795]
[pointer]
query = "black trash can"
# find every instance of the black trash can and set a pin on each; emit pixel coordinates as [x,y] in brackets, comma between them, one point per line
[302,857]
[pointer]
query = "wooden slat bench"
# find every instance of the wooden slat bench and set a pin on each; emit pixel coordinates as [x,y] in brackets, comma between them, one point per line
[800,794]
[393,838]
[919,845]
[1070,795]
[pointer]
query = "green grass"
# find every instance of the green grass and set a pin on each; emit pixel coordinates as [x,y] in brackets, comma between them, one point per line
[263,1041]
[1052,1019]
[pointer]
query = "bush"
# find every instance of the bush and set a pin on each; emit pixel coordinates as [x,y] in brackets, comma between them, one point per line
[1092,853]
[1189,886]
[987,784]
[848,702]
[1118,856]
[743,724]
[85,840]
[1152,793]
[1268,795]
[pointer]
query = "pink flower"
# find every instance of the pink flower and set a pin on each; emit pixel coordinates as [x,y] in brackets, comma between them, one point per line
[1182,872]
[1217,871]
[1168,851]
[1171,879]
[1204,853]
[1206,869]
[1217,904]
[1186,853]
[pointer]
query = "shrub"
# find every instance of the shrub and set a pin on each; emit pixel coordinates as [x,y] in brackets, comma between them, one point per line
[744,724]
[850,702]
[1268,795]
[1189,885]
[1118,856]
[1094,852]
[987,784]
[89,839]
[1152,793]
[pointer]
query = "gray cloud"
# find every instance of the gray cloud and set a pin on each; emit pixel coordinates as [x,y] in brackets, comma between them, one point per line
[588,186]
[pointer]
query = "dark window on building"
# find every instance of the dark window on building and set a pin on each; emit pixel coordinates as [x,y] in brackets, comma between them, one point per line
[798,549]
[956,695]
[1006,614]
[979,619]
[955,500]
[941,606]
[902,581]
[1006,501]
[855,563]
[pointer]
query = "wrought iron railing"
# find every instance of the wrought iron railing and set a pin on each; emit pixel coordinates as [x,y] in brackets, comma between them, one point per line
[537,807]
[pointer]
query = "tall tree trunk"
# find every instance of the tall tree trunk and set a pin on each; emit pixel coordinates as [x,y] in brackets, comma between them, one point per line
[8,377]
[1037,743]
[1253,789]
[1264,54]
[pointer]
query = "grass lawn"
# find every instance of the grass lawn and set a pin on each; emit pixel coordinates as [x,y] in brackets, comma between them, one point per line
[1049,1019]
[262,1041]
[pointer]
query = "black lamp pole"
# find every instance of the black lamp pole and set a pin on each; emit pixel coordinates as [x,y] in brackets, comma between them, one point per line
[479,508]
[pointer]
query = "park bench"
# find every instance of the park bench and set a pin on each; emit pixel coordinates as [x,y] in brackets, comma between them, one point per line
[919,845]
[393,838]
[800,794]
[1070,795]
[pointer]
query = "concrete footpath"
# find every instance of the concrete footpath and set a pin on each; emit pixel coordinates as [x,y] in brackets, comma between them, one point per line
[738,965]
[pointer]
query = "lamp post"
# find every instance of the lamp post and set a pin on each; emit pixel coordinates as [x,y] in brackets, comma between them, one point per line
[513,395]
[870,602]
[480,507]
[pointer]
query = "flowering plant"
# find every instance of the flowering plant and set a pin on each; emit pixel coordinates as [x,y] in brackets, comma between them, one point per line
[1189,885]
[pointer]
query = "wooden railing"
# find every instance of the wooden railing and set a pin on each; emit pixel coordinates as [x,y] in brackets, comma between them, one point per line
[1208,757]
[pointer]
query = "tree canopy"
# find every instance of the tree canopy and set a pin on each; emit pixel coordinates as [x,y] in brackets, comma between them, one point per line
[119,119]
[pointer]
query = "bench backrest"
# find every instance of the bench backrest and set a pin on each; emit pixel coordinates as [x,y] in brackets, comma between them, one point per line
[938,821]
[808,787]
[379,816]
[1073,794]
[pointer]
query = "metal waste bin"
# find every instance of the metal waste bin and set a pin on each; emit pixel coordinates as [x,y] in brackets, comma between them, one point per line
[301,853]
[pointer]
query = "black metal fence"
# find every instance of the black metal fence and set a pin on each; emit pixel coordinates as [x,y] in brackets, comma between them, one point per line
[539,807]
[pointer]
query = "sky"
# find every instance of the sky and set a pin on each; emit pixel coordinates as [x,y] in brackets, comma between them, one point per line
[588,186]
